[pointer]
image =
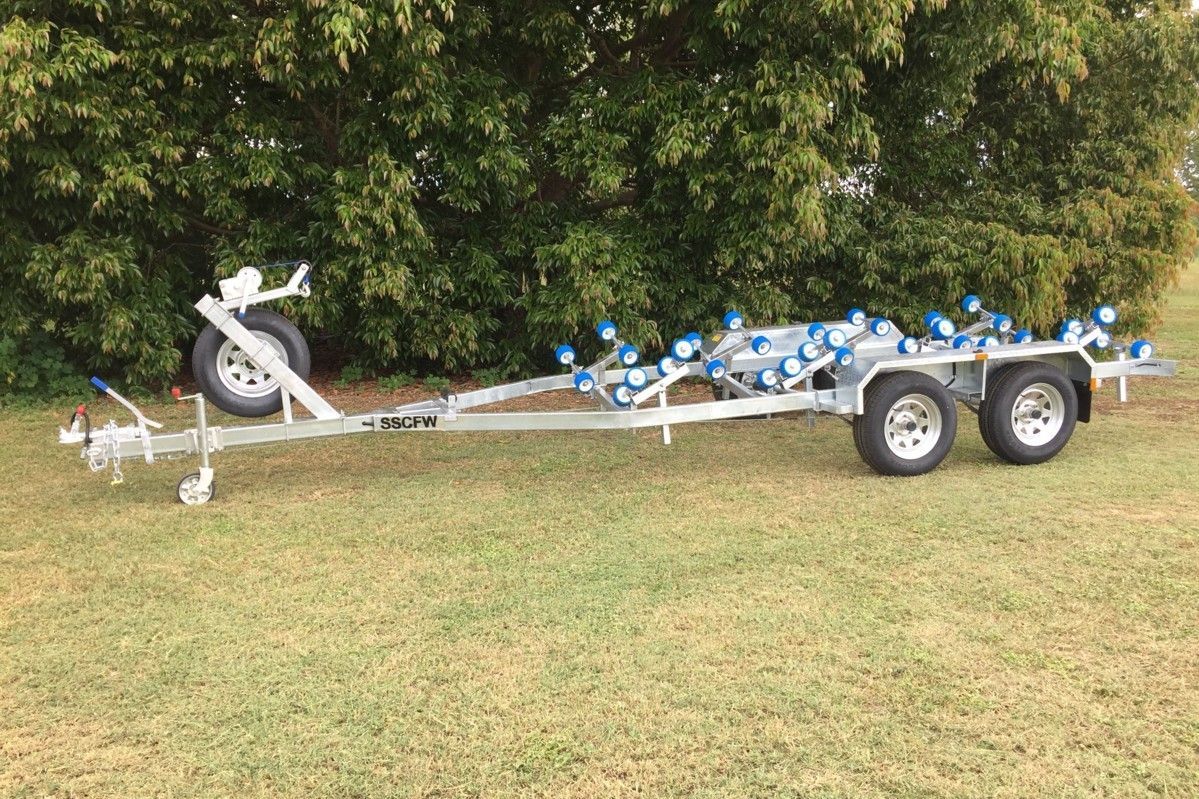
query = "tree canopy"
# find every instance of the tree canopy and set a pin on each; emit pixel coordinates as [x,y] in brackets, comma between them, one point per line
[478,180]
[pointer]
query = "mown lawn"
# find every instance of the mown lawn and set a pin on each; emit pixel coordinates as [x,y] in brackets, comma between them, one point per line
[748,612]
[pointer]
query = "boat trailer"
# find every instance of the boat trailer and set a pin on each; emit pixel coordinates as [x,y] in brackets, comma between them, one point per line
[900,392]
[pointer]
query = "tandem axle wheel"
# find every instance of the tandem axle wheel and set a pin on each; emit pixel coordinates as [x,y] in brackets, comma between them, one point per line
[908,424]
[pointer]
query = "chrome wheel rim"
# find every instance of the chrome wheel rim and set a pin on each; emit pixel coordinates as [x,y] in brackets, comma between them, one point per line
[1038,414]
[239,374]
[913,426]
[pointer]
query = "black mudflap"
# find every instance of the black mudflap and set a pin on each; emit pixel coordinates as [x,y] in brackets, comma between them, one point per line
[1084,399]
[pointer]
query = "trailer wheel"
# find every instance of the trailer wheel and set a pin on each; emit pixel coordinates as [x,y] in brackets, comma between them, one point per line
[234,384]
[1029,413]
[188,494]
[908,425]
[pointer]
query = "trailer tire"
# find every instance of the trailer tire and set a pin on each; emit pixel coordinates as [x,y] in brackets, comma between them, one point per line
[234,385]
[907,425]
[1029,413]
[992,381]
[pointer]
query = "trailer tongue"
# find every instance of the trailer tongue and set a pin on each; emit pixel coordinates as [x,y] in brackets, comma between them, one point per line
[901,392]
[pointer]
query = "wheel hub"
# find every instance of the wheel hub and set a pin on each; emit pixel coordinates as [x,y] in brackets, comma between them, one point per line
[239,374]
[1038,414]
[913,426]
[190,493]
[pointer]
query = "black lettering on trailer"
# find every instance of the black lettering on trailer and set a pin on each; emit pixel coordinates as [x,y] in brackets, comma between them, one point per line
[408,423]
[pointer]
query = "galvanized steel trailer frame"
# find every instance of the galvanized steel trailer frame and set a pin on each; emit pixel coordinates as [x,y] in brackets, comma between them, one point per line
[963,371]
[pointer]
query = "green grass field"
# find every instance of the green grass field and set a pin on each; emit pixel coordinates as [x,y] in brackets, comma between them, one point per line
[748,612]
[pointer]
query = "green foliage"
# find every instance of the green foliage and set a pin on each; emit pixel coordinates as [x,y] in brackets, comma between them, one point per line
[396,381]
[493,376]
[436,383]
[350,374]
[1188,170]
[477,181]
[35,367]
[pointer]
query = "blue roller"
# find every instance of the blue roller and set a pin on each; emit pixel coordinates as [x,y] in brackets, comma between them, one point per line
[816,331]
[931,317]
[943,328]
[843,356]
[606,330]
[760,345]
[790,366]
[962,342]
[856,317]
[768,378]
[1101,341]
[628,354]
[584,382]
[1023,336]
[908,345]
[636,378]
[716,369]
[733,321]
[1067,337]
[880,326]
[1104,315]
[666,365]
[696,340]
[565,354]
[834,338]
[988,341]
[1140,349]
[682,350]
[622,395]
[1075,326]
[1002,322]
[809,351]
[971,303]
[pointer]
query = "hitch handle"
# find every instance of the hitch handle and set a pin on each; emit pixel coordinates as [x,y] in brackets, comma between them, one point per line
[104,388]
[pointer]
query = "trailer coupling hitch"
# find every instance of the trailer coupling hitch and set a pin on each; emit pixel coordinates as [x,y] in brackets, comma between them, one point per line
[102,447]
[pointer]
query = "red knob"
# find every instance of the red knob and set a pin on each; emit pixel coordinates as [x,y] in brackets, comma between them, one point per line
[80,409]
[176,392]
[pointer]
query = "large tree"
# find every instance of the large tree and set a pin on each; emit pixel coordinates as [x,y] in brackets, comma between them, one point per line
[478,180]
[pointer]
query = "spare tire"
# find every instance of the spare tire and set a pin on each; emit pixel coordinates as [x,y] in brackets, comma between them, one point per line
[230,381]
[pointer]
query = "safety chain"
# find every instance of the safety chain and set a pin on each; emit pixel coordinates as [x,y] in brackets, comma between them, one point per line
[106,451]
